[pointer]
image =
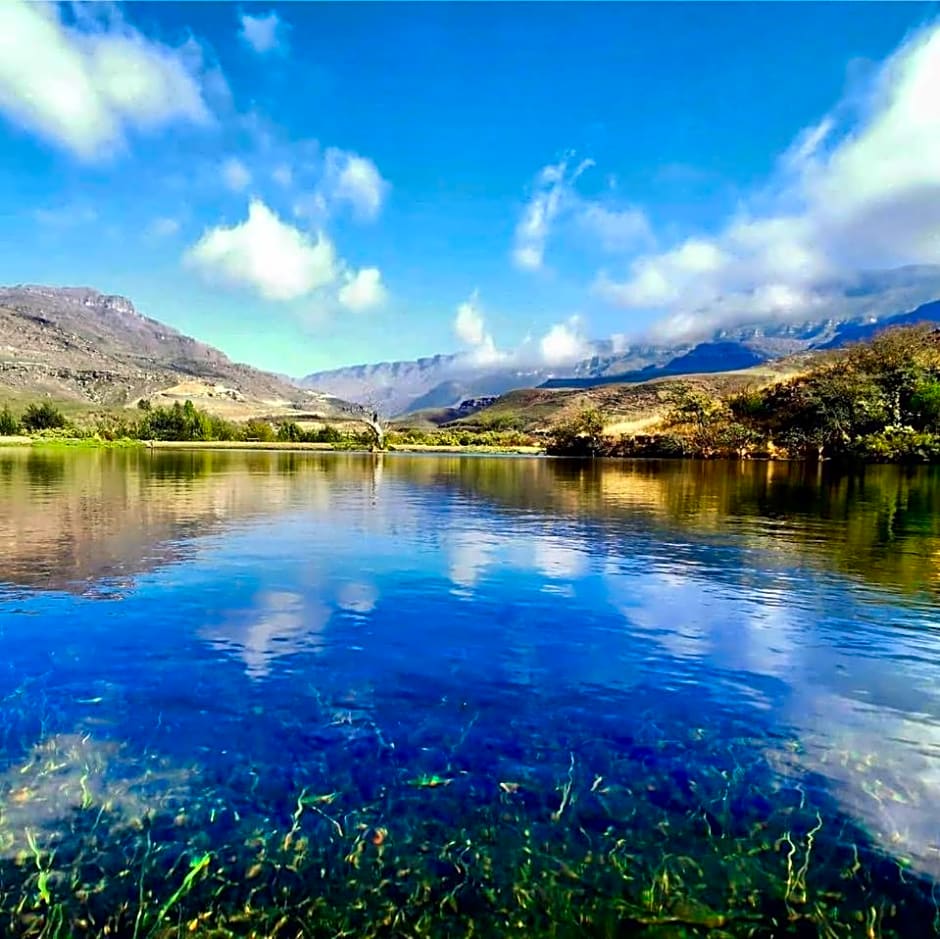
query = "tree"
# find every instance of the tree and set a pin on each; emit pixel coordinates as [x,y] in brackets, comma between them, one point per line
[579,436]
[9,425]
[256,429]
[43,416]
[374,421]
[289,432]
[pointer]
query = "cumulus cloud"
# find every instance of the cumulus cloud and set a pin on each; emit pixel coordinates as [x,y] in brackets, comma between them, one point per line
[555,200]
[265,254]
[564,343]
[856,195]
[235,174]
[363,290]
[470,327]
[468,323]
[83,86]
[355,180]
[265,33]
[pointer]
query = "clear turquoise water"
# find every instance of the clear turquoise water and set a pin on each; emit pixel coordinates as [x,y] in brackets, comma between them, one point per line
[314,694]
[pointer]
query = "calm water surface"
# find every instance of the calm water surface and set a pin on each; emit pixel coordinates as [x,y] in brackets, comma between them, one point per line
[325,695]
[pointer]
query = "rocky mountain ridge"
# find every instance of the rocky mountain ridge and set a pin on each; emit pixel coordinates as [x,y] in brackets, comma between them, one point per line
[77,344]
[443,381]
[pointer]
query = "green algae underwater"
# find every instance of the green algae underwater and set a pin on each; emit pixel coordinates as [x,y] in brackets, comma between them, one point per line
[273,695]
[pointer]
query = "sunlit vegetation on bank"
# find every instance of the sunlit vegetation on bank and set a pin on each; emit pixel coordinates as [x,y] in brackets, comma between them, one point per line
[177,422]
[186,423]
[877,401]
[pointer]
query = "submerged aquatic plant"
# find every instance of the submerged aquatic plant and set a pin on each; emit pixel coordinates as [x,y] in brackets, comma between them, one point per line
[654,835]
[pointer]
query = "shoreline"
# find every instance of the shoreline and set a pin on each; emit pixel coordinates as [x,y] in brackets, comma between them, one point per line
[91,443]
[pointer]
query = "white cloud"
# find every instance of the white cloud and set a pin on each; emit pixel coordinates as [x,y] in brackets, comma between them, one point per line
[857,195]
[564,343]
[363,290]
[84,86]
[163,227]
[235,174]
[264,33]
[552,189]
[468,323]
[263,253]
[355,180]
[470,327]
[555,201]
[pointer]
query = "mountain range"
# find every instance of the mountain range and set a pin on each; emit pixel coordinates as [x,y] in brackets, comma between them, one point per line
[77,344]
[443,381]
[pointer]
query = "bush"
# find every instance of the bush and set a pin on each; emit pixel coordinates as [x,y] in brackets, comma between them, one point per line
[259,430]
[326,434]
[43,416]
[900,444]
[9,425]
[289,432]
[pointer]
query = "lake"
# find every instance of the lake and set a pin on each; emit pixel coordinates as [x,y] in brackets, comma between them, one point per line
[273,694]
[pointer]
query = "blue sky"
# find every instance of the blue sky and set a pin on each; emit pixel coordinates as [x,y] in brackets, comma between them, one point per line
[315,185]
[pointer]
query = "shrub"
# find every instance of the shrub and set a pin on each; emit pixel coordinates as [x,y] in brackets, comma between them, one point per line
[9,425]
[259,430]
[43,416]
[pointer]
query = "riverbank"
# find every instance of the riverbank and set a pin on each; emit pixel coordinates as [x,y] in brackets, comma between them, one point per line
[93,443]
[298,446]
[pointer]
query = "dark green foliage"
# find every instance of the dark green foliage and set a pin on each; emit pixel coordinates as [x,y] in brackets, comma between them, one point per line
[580,436]
[178,422]
[43,416]
[289,432]
[872,400]
[326,434]
[9,424]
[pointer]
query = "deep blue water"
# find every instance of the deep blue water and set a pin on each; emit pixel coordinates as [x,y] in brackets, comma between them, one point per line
[487,696]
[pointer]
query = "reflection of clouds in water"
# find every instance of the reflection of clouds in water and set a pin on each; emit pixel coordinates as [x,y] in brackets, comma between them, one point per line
[883,769]
[471,554]
[66,774]
[556,558]
[357,597]
[881,759]
[691,616]
[281,623]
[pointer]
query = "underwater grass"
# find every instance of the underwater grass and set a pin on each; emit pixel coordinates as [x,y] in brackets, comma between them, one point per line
[437,830]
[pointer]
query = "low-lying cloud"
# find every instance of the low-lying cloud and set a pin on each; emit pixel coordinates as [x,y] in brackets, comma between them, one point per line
[857,195]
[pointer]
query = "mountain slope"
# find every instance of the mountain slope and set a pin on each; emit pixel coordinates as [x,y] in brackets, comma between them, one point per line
[76,344]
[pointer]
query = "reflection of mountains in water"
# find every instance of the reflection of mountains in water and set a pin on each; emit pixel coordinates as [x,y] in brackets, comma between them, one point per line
[91,521]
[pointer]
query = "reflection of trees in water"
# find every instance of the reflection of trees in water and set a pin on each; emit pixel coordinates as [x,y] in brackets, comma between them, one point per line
[881,522]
